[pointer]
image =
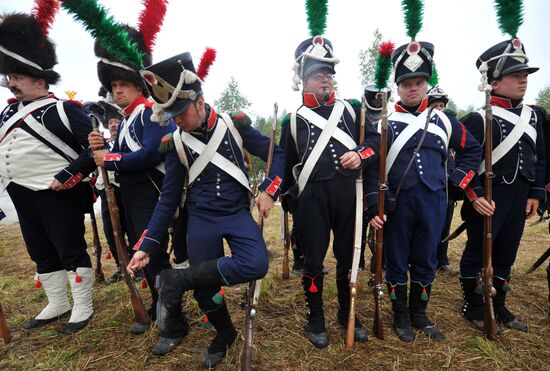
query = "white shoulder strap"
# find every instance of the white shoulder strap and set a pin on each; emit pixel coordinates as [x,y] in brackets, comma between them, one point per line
[50,137]
[231,126]
[63,115]
[26,110]
[293,129]
[349,108]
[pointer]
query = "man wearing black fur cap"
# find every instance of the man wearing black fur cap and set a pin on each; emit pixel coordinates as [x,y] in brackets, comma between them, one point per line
[134,156]
[43,167]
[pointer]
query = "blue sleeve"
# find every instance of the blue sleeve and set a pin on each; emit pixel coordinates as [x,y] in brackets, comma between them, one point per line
[84,164]
[148,155]
[258,145]
[170,197]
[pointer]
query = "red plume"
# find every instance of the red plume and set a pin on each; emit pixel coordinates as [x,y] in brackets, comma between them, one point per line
[208,57]
[44,12]
[386,49]
[150,20]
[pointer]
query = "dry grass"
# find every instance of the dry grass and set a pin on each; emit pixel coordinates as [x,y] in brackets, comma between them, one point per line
[279,339]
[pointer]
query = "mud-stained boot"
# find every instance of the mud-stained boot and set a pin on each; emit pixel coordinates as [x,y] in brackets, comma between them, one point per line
[419,296]
[402,324]
[315,327]
[503,314]
[225,337]
[55,286]
[360,333]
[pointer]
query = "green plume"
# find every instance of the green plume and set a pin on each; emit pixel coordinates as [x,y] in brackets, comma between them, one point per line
[103,27]
[382,72]
[509,16]
[316,16]
[413,16]
[434,80]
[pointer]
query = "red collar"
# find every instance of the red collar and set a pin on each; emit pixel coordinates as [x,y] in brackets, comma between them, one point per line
[14,100]
[211,118]
[310,100]
[501,102]
[140,100]
[421,108]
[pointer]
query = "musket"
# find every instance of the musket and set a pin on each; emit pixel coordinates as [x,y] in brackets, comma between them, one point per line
[254,286]
[350,330]
[140,313]
[489,324]
[377,292]
[99,277]
[4,330]
[286,239]
[457,232]
[539,261]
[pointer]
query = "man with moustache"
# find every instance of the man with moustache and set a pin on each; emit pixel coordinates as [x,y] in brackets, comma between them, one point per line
[134,157]
[518,185]
[205,162]
[322,158]
[43,166]
[418,143]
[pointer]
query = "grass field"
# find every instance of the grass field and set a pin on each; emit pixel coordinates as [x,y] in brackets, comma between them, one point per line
[279,343]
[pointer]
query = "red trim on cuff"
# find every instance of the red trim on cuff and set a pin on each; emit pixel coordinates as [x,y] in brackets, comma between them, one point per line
[72,181]
[466,180]
[366,153]
[141,238]
[112,157]
[274,186]
[470,193]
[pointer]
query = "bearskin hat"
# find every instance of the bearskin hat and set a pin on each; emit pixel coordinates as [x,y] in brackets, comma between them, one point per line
[24,49]
[109,69]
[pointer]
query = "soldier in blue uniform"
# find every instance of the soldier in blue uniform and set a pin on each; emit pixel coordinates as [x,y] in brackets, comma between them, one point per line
[205,155]
[418,147]
[518,186]
[44,166]
[134,157]
[322,159]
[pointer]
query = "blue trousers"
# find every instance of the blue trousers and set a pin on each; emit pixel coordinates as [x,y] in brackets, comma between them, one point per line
[412,234]
[508,223]
[205,235]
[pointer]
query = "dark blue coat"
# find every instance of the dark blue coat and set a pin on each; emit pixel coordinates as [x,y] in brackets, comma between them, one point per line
[429,165]
[213,190]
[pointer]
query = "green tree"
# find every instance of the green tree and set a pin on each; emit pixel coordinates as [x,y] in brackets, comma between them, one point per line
[543,98]
[367,59]
[231,99]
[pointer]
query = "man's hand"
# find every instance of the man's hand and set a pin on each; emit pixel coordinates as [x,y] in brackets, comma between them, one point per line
[96,140]
[531,207]
[377,223]
[351,160]
[482,206]
[265,203]
[139,261]
[57,186]
[99,156]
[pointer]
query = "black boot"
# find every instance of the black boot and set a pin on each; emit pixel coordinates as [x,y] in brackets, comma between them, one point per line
[474,303]
[225,337]
[401,318]
[360,333]
[315,327]
[502,313]
[172,283]
[418,302]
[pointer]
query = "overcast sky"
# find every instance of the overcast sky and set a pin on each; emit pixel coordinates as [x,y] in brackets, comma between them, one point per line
[256,39]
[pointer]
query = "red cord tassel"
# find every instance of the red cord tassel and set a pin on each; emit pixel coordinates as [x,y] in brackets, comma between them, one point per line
[108,256]
[77,278]
[144,283]
[37,283]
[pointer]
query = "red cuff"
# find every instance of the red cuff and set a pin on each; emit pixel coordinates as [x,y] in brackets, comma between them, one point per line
[366,153]
[72,181]
[547,187]
[466,180]
[274,186]
[112,157]
[138,244]
[470,193]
